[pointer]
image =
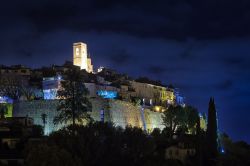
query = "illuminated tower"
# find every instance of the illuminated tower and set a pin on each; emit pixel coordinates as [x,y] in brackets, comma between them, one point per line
[80,57]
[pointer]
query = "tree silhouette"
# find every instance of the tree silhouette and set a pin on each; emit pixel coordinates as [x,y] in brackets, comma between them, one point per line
[212,145]
[73,104]
[27,92]
[180,119]
[44,120]
[172,118]
[236,153]
[14,86]
[42,154]
[192,116]
[10,85]
[3,110]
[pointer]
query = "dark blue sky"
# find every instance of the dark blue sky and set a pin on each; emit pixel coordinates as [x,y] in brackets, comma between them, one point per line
[201,47]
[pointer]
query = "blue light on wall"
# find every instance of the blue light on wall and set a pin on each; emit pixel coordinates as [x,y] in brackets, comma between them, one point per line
[50,94]
[5,99]
[50,87]
[222,150]
[107,94]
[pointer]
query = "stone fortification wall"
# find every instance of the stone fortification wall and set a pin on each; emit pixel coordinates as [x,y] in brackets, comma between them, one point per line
[35,109]
[119,112]
[124,113]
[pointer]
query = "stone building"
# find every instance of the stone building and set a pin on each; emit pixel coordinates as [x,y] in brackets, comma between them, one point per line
[152,94]
[81,57]
[183,148]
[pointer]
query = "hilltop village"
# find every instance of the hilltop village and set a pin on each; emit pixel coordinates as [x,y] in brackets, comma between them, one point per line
[32,92]
[31,98]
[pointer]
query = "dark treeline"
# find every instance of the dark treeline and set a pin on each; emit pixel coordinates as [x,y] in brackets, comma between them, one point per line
[103,144]
[100,144]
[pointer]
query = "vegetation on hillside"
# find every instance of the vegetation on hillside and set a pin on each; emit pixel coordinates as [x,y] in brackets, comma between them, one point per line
[73,104]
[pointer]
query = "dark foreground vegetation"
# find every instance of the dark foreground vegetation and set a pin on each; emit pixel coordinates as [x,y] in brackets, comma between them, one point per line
[103,144]
[97,144]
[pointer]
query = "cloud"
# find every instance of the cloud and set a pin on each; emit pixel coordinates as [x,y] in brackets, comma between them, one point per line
[158,70]
[187,53]
[178,20]
[234,60]
[119,57]
[25,53]
[224,85]
[237,62]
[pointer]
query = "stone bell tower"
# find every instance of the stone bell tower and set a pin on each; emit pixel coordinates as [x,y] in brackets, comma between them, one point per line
[80,57]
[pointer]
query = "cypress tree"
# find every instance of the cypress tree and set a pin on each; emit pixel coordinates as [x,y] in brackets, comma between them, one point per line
[212,145]
[198,143]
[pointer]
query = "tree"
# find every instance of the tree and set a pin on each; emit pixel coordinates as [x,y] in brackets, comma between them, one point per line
[173,118]
[10,85]
[136,101]
[235,153]
[200,144]
[180,119]
[48,72]
[27,92]
[137,147]
[73,104]
[43,154]
[160,143]
[192,118]
[3,110]
[91,143]
[14,86]
[37,131]
[212,145]
[44,120]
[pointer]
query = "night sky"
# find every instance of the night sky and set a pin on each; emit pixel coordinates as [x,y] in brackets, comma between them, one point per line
[201,47]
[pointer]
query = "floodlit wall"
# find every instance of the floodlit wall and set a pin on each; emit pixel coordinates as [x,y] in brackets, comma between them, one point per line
[35,109]
[124,113]
[9,109]
[119,112]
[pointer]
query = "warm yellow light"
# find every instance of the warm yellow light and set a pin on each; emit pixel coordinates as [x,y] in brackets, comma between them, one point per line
[157,108]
